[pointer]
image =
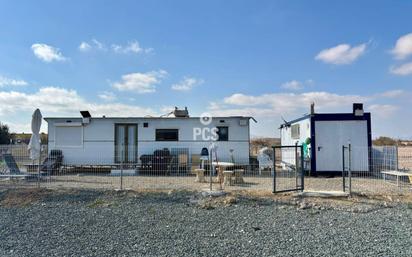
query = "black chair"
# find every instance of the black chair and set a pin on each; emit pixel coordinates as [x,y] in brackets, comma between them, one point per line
[53,162]
[157,163]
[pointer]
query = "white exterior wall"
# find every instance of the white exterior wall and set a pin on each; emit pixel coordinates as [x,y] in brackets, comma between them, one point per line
[98,138]
[286,133]
[331,135]
[288,154]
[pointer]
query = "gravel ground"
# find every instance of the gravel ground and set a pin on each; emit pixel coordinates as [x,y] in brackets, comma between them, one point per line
[97,223]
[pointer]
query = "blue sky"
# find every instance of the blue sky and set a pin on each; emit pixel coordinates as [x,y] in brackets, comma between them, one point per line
[262,58]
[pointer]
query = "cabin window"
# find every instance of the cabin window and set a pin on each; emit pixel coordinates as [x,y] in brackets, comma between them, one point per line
[223,133]
[295,131]
[70,136]
[167,135]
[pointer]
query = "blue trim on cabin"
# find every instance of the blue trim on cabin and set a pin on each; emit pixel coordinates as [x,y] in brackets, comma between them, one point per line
[337,117]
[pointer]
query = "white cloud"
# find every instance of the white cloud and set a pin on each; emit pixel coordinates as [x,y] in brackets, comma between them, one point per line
[403,69]
[93,44]
[4,81]
[392,93]
[107,96]
[268,108]
[47,53]
[61,101]
[166,109]
[140,83]
[99,45]
[403,47]
[20,127]
[341,54]
[383,110]
[280,103]
[84,46]
[187,84]
[292,85]
[131,47]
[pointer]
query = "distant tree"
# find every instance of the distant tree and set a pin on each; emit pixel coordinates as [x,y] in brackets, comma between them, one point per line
[4,134]
[380,141]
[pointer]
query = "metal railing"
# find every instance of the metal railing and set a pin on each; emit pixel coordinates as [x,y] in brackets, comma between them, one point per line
[185,168]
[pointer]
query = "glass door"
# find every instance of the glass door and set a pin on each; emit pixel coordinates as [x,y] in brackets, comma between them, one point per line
[125,143]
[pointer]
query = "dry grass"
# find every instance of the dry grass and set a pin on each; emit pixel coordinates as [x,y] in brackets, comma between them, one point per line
[355,203]
[256,185]
[23,197]
[366,191]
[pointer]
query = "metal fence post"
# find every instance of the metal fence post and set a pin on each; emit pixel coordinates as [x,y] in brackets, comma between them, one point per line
[296,164]
[211,169]
[343,168]
[350,169]
[38,170]
[274,169]
[302,166]
[397,157]
[121,170]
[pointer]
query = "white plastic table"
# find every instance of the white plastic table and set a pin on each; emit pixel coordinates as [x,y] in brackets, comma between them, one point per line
[223,164]
[397,174]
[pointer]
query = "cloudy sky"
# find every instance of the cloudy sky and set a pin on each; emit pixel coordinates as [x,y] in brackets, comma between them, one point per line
[262,58]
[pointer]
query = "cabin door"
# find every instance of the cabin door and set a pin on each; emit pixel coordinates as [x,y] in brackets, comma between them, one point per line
[125,143]
[332,135]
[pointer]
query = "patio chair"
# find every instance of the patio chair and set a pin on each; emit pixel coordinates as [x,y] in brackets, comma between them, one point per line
[11,164]
[53,162]
[13,169]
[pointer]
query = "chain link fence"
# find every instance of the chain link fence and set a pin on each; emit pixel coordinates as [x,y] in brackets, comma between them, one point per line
[387,170]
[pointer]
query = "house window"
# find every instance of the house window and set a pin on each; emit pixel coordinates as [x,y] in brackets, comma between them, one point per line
[167,135]
[223,133]
[68,136]
[295,131]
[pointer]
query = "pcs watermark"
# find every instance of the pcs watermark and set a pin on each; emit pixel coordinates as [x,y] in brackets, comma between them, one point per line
[205,133]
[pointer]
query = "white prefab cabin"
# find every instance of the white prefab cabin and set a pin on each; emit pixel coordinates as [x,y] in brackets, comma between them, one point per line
[111,140]
[327,133]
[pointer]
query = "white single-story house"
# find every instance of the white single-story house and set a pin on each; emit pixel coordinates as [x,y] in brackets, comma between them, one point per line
[327,133]
[110,140]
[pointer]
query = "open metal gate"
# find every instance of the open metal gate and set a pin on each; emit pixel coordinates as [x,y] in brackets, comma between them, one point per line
[288,168]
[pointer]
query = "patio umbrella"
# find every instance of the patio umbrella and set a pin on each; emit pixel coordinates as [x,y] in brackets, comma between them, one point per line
[34,145]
